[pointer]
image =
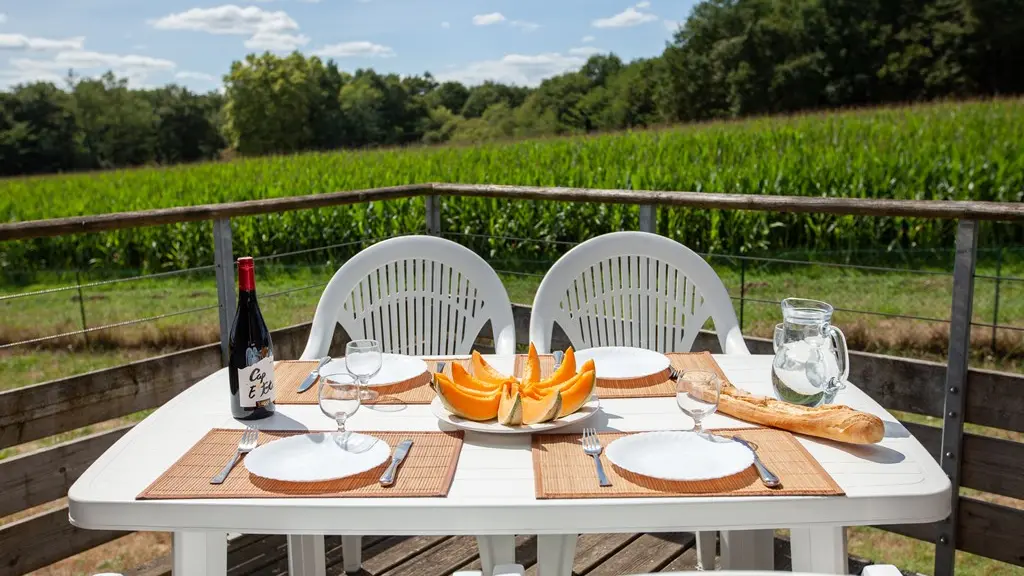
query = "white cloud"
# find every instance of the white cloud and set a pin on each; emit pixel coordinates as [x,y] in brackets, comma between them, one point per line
[267,30]
[587,39]
[358,49]
[521,69]
[628,17]
[671,25]
[524,25]
[276,41]
[584,51]
[488,19]
[202,76]
[644,4]
[227,19]
[134,67]
[22,42]
[445,25]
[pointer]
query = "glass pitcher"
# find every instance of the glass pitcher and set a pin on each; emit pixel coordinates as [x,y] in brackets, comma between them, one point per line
[811,361]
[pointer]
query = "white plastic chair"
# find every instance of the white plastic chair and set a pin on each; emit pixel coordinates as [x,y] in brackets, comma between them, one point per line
[633,289]
[416,295]
[636,289]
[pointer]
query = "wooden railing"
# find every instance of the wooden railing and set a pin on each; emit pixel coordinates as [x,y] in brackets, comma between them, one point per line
[951,392]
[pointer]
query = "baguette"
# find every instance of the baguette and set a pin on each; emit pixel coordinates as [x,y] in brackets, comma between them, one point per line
[834,422]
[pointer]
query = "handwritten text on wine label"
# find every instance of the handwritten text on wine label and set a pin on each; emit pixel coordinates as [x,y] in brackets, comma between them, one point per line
[256,383]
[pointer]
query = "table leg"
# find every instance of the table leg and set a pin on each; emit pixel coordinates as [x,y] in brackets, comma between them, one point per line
[352,553]
[555,554]
[306,555]
[495,551]
[706,542]
[747,549]
[820,549]
[200,554]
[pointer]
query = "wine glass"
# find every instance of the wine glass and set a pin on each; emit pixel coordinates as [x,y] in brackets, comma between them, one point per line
[697,393]
[363,360]
[339,399]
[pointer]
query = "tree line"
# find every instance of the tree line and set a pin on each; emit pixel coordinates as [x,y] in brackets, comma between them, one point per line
[730,58]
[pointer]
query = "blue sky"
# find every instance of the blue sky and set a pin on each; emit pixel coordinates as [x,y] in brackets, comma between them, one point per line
[193,42]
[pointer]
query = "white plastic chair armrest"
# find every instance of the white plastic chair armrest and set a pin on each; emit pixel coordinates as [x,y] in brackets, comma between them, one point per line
[509,570]
[468,573]
[881,570]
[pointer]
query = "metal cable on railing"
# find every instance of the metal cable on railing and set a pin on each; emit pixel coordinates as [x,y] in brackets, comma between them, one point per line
[108,326]
[104,283]
[321,248]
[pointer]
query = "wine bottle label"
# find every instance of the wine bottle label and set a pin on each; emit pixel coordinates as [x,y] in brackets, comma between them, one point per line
[256,383]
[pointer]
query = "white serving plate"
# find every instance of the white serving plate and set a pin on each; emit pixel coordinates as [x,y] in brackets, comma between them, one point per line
[316,457]
[394,368]
[492,426]
[679,456]
[621,362]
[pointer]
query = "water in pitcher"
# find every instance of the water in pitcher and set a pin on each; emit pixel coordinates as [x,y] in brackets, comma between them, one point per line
[807,369]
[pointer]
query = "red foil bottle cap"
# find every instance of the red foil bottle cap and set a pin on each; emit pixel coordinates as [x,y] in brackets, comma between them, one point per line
[246,273]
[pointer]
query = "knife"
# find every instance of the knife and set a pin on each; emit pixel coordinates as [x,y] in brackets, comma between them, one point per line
[314,375]
[768,478]
[389,475]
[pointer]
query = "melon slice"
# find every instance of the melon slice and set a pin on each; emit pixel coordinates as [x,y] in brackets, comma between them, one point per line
[577,394]
[464,403]
[464,379]
[565,371]
[485,372]
[510,406]
[543,410]
[531,373]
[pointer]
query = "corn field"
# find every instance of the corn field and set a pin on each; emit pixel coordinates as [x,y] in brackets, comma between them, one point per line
[972,150]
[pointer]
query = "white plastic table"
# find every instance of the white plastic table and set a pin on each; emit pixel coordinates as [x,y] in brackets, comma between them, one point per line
[492,493]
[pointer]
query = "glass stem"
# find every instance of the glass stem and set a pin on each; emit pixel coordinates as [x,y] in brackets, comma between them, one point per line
[341,418]
[697,427]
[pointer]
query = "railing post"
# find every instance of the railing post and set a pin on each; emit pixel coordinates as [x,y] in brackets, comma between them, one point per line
[956,386]
[433,206]
[649,218]
[81,306]
[224,262]
[995,307]
[743,288]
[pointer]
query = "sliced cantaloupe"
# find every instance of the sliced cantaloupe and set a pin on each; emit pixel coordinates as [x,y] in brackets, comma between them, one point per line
[510,406]
[484,372]
[466,403]
[542,410]
[565,371]
[464,379]
[577,394]
[531,373]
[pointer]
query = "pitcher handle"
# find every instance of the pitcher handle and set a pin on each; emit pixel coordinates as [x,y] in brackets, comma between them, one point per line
[777,337]
[842,355]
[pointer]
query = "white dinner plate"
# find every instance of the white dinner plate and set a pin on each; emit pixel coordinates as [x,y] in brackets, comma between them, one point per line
[684,456]
[618,362]
[394,368]
[316,457]
[493,427]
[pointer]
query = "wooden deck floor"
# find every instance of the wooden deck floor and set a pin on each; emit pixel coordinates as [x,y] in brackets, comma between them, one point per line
[596,555]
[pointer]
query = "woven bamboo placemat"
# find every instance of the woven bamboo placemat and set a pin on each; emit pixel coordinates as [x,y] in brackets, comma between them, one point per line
[654,386]
[562,470]
[426,472]
[290,373]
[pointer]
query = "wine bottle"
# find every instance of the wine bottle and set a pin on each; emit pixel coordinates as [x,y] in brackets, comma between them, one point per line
[251,353]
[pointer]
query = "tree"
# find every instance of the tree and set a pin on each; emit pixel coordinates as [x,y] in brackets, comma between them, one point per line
[38,132]
[451,95]
[118,125]
[186,125]
[269,99]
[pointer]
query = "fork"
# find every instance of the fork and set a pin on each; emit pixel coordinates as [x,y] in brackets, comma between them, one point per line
[592,447]
[245,445]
